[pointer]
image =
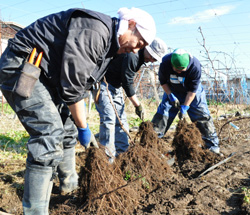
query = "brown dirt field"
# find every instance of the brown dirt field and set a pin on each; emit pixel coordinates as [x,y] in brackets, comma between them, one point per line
[140,181]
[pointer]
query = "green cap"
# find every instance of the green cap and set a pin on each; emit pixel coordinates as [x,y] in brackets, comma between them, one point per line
[180,58]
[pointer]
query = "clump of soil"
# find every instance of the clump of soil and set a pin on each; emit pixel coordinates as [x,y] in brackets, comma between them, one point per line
[187,142]
[117,188]
[145,160]
[189,150]
[148,138]
[102,187]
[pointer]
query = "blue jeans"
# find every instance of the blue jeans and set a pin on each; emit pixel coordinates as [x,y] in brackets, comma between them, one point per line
[198,112]
[111,134]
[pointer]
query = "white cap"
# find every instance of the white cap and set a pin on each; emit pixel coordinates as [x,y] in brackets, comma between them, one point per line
[157,49]
[145,23]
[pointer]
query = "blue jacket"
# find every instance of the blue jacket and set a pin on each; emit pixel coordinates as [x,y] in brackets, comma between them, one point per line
[188,81]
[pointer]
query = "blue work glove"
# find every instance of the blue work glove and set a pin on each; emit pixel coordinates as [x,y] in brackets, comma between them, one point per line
[86,137]
[174,101]
[183,111]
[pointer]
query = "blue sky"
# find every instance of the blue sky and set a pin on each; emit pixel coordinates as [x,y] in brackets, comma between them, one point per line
[224,24]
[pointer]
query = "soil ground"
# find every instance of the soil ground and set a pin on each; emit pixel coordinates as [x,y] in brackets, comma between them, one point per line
[141,181]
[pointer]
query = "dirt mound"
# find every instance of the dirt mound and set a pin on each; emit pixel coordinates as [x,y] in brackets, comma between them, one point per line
[187,142]
[117,188]
[189,150]
[140,181]
[103,189]
[136,182]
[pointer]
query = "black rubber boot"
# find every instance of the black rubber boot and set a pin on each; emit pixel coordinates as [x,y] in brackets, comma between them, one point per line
[37,189]
[209,134]
[160,124]
[67,171]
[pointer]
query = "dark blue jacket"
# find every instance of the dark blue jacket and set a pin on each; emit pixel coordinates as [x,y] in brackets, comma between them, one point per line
[77,47]
[187,81]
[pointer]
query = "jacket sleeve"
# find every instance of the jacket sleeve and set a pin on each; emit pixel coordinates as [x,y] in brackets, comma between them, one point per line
[163,74]
[129,66]
[83,48]
[195,77]
[165,69]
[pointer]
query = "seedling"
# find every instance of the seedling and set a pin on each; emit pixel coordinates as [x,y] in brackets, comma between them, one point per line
[246,197]
[145,183]
[127,176]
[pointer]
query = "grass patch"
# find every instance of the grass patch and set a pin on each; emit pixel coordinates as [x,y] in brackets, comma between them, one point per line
[13,143]
[6,109]
[134,122]
[246,192]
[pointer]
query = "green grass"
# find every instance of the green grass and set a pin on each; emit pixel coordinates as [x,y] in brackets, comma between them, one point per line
[134,122]
[6,109]
[14,142]
[214,102]
[246,191]
[94,128]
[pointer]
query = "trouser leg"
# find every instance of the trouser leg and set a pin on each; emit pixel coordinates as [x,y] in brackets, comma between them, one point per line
[41,117]
[37,189]
[67,167]
[107,133]
[199,113]
[107,122]
[161,124]
[209,134]
[67,172]
[111,134]
[121,137]
[43,123]
[50,130]
[164,116]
